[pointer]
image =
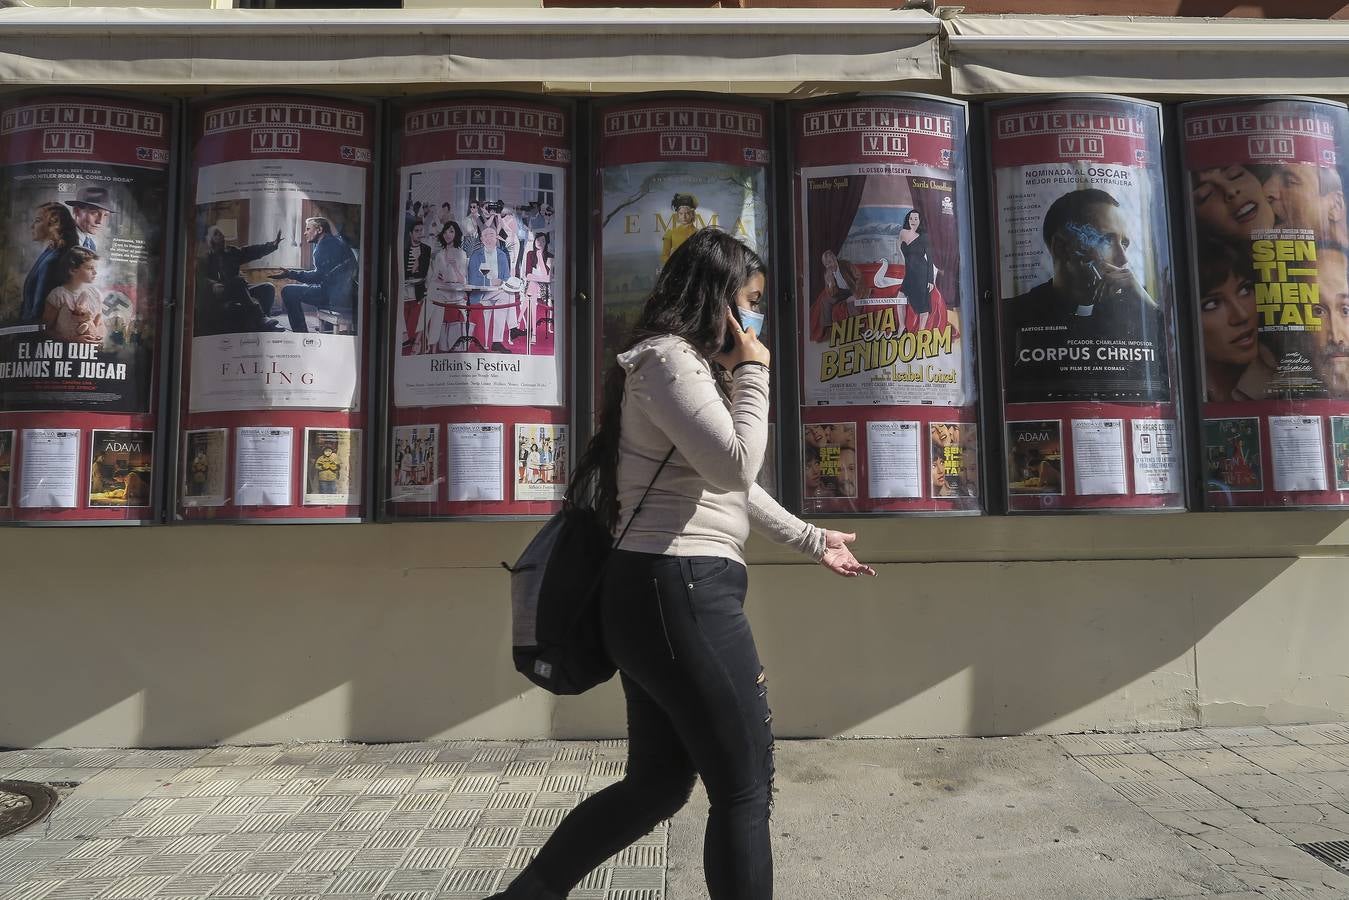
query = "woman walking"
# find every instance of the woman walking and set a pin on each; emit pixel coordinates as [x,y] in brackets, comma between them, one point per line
[673,594]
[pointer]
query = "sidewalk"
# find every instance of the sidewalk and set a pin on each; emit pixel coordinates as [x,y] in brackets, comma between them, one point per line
[1214,812]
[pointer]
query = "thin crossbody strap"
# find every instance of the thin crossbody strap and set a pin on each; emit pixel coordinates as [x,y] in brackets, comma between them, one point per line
[643,500]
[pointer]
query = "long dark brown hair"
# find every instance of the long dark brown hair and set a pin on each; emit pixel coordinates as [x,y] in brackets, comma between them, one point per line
[692,293]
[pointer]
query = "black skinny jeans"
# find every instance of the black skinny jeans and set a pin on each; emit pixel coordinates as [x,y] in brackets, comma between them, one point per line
[697,705]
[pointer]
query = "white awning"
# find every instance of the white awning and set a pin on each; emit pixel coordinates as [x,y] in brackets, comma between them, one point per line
[992,55]
[580,50]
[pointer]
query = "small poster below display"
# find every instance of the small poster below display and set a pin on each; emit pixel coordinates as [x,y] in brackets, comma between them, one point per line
[1339,438]
[542,462]
[6,466]
[332,465]
[262,466]
[1035,457]
[50,473]
[475,460]
[886,314]
[1270,262]
[203,467]
[119,468]
[1086,298]
[1232,457]
[1157,468]
[415,463]
[829,460]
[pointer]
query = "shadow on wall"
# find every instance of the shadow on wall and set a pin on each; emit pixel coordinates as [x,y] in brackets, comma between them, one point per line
[209,634]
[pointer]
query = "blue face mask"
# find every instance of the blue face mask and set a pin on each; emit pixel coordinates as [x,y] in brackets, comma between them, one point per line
[750,319]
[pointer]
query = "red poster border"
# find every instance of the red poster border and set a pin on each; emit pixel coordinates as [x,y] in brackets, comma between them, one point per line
[508,416]
[1215,498]
[925,414]
[1086,409]
[297,420]
[87,422]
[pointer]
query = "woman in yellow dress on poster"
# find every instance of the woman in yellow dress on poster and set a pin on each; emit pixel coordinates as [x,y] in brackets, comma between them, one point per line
[685,208]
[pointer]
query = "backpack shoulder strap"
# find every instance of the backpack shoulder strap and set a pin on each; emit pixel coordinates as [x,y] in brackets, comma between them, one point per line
[643,500]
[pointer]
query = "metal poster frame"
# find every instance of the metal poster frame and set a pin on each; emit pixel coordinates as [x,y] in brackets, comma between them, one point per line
[373,364]
[771,110]
[965,208]
[993,262]
[164,385]
[1204,498]
[575,298]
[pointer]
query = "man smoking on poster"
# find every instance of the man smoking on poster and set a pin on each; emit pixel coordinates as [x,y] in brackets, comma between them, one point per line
[1092,315]
[330,284]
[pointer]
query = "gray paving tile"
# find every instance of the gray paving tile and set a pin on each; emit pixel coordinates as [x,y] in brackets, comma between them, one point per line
[1127,767]
[250,842]
[247,884]
[78,890]
[1291,760]
[137,886]
[359,881]
[1256,790]
[1179,794]
[302,883]
[1326,787]
[469,882]
[1212,761]
[263,861]
[1314,735]
[1246,736]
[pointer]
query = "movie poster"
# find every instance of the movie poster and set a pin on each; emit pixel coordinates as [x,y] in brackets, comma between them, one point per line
[954,459]
[1232,458]
[6,466]
[332,465]
[1084,279]
[1339,442]
[277,252]
[543,461]
[668,168]
[829,460]
[204,469]
[884,317]
[482,255]
[120,463]
[83,193]
[1035,457]
[1267,213]
[416,452]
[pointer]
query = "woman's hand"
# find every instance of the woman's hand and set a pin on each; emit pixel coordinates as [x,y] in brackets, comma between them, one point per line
[746,346]
[839,559]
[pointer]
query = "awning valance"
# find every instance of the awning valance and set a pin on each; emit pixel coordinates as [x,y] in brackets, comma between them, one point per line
[991,55]
[601,51]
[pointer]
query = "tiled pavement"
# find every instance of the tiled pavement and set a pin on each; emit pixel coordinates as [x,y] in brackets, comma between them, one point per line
[397,822]
[442,821]
[1246,798]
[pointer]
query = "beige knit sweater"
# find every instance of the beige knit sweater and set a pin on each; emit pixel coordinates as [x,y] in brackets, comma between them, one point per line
[705,499]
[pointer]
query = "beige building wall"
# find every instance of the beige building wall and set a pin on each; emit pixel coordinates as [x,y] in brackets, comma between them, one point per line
[208,634]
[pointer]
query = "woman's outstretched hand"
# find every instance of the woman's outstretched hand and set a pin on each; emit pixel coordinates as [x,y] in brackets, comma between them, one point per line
[839,559]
